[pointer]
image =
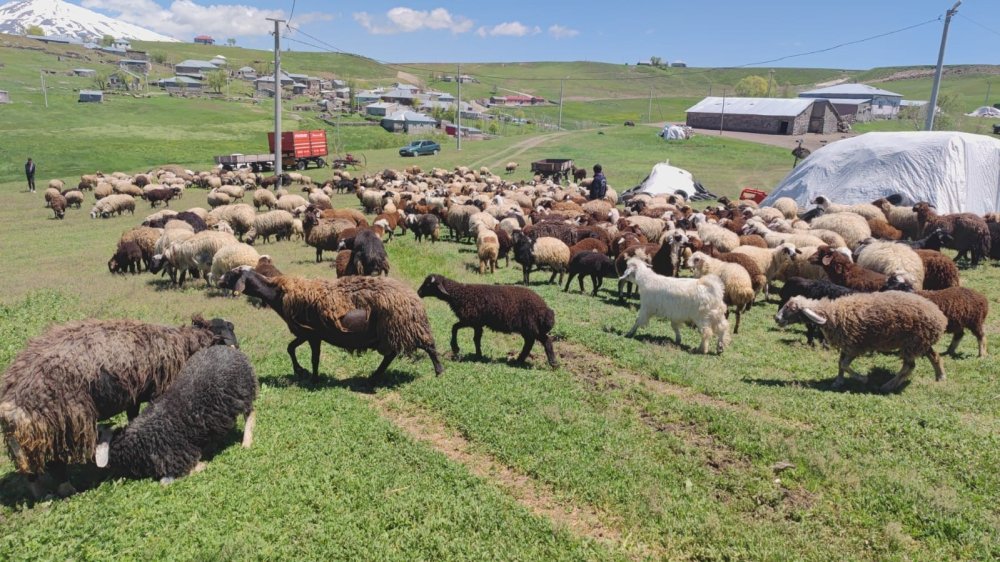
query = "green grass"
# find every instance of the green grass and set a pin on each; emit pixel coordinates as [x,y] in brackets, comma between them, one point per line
[685,469]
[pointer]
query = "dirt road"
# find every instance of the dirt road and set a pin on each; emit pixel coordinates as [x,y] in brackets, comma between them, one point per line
[812,141]
[502,157]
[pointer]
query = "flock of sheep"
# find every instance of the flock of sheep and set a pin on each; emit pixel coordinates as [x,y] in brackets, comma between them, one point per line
[863,278]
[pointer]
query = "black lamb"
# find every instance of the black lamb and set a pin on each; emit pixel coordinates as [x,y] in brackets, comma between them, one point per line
[424,225]
[368,255]
[812,289]
[127,257]
[501,308]
[597,265]
[167,440]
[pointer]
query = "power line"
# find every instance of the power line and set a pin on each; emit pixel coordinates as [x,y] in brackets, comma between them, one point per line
[991,30]
[288,24]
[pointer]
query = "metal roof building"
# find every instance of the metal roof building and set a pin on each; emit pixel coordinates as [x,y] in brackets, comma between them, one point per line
[775,116]
[884,103]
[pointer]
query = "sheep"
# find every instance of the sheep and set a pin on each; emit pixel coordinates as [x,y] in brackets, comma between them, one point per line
[426,225]
[851,226]
[738,287]
[291,202]
[146,238]
[969,232]
[488,250]
[240,216]
[64,381]
[102,190]
[127,257]
[265,266]
[964,309]
[457,220]
[323,234]
[812,289]
[866,210]
[720,238]
[596,265]
[843,272]
[168,439]
[159,218]
[368,255]
[343,264]
[235,192]
[276,223]
[757,278]
[681,301]
[505,309]
[874,322]
[902,218]
[353,313]
[58,205]
[74,198]
[882,230]
[511,167]
[264,198]
[155,196]
[588,245]
[935,240]
[771,262]
[890,257]
[114,204]
[196,253]
[787,206]
[178,224]
[229,257]
[57,185]
[775,239]
[532,252]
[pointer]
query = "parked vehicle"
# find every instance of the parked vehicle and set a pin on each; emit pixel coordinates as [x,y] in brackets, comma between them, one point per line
[418,147]
[553,168]
[299,150]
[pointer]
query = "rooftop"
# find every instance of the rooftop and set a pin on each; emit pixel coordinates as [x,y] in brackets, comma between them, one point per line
[853,89]
[775,107]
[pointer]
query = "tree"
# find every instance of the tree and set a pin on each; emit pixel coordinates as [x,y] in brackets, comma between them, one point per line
[752,86]
[656,61]
[107,41]
[158,57]
[216,81]
[101,79]
[231,42]
[34,30]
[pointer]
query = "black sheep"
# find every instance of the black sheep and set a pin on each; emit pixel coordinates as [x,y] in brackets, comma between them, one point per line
[167,440]
[812,289]
[128,257]
[598,266]
[994,240]
[424,225]
[935,240]
[501,308]
[155,196]
[368,255]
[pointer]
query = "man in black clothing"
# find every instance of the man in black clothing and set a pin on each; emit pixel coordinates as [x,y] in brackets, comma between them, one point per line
[29,170]
[598,184]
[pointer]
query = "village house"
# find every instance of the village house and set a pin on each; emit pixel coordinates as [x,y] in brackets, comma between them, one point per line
[266,83]
[884,104]
[180,84]
[407,121]
[773,116]
[380,109]
[246,73]
[194,68]
[137,66]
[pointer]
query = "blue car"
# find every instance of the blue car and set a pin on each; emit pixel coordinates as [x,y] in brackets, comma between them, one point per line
[418,147]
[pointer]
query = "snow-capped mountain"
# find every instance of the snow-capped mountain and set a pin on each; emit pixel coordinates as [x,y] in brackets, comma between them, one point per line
[56,17]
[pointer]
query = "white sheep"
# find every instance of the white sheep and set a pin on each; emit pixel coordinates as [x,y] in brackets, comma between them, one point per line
[488,250]
[230,257]
[738,286]
[889,258]
[772,262]
[788,207]
[680,301]
[866,210]
[197,252]
[719,237]
[272,223]
[853,227]
[264,198]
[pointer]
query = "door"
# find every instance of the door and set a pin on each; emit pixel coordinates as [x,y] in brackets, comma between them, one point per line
[783,128]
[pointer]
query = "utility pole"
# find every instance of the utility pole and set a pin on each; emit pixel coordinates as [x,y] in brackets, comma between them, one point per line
[770,78]
[277,94]
[458,110]
[41,73]
[561,84]
[932,106]
[722,116]
[649,112]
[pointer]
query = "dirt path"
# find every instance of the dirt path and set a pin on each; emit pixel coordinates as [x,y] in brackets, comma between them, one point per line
[582,520]
[812,141]
[505,155]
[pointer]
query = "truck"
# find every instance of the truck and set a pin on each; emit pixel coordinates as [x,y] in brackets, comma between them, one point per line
[299,150]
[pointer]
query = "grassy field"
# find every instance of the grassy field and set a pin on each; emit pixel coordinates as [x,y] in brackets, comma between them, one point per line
[632,449]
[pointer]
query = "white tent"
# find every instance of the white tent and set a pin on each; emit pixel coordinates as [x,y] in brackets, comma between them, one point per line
[985,111]
[957,172]
[666,180]
[673,132]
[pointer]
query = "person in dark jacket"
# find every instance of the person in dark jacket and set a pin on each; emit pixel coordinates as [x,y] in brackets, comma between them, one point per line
[599,184]
[29,171]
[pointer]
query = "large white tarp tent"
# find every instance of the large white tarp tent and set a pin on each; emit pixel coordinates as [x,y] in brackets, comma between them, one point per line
[957,172]
[665,179]
[985,111]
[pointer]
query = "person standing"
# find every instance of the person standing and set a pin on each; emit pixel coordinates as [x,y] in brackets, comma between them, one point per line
[598,184]
[29,171]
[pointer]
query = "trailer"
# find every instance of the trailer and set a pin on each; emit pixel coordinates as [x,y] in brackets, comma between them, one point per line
[300,149]
[255,162]
[553,168]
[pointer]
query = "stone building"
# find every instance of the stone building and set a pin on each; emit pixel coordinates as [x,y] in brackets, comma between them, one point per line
[773,116]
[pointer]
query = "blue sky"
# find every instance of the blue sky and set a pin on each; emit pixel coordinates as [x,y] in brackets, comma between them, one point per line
[707,33]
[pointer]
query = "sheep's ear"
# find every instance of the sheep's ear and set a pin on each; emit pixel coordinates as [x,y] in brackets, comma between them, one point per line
[103,448]
[814,317]
[241,283]
[827,259]
[440,286]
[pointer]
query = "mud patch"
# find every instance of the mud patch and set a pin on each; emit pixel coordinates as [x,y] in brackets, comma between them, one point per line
[718,456]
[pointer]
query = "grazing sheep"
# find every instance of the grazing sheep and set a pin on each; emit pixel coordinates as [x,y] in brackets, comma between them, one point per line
[964,309]
[167,440]
[738,286]
[511,167]
[874,322]
[114,204]
[74,198]
[291,202]
[814,289]
[772,262]
[890,257]
[719,237]
[353,313]
[230,257]
[842,271]
[532,252]
[240,216]
[426,225]
[146,238]
[598,266]
[58,205]
[368,256]
[103,190]
[57,185]
[324,234]
[196,253]
[271,223]
[235,192]
[681,301]
[155,196]
[488,250]
[343,264]
[265,266]
[264,198]
[588,245]
[757,278]
[64,381]
[970,233]
[127,257]
[501,308]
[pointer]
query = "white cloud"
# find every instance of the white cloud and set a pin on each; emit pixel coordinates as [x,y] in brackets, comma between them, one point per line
[562,32]
[184,19]
[407,20]
[508,29]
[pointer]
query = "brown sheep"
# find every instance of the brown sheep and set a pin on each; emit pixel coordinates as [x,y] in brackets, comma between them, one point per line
[970,233]
[964,309]
[882,230]
[67,379]
[940,272]
[842,271]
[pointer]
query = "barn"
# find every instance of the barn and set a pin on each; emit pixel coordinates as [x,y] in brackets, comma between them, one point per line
[773,116]
[91,96]
[884,104]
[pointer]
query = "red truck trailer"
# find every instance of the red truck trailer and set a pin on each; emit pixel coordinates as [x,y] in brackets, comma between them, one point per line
[300,149]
